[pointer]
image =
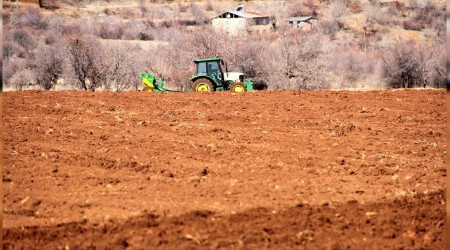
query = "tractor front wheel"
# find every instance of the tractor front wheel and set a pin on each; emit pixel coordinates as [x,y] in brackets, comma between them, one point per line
[203,85]
[238,87]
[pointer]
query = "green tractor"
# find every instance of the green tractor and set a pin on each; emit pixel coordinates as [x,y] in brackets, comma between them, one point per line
[208,78]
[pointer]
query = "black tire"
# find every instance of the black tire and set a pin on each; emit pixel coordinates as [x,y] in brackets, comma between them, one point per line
[203,85]
[238,87]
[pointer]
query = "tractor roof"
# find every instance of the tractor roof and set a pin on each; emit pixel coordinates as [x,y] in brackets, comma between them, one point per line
[207,59]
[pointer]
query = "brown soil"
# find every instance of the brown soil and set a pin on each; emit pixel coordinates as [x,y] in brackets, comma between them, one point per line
[280,170]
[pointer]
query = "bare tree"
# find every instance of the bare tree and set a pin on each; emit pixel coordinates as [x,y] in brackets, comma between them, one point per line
[409,64]
[23,37]
[338,8]
[300,65]
[401,67]
[122,67]
[85,59]
[435,63]
[23,77]
[48,65]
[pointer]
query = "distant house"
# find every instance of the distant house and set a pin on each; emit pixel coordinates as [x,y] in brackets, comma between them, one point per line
[304,23]
[238,21]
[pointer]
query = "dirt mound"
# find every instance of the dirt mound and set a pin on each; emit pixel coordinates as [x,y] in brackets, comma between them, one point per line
[288,169]
[402,224]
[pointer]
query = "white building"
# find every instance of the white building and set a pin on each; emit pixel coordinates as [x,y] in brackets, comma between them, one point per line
[303,23]
[239,21]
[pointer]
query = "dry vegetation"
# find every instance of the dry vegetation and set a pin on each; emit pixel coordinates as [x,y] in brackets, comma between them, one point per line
[356,44]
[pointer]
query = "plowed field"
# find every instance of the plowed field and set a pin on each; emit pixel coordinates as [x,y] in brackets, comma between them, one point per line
[279,170]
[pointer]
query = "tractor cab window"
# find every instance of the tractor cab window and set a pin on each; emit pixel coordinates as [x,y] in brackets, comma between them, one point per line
[214,69]
[201,68]
[211,68]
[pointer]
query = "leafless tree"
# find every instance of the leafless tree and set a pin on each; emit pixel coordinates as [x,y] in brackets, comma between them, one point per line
[33,18]
[401,67]
[435,63]
[142,8]
[410,64]
[122,67]
[22,78]
[22,37]
[85,58]
[48,65]
[338,8]
[110,28]
[300,65]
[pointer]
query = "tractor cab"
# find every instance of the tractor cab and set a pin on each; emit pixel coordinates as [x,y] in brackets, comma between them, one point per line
[210,77]
[211,68]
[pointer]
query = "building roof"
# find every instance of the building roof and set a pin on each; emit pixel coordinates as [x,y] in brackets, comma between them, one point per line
[301,19]
[242,14]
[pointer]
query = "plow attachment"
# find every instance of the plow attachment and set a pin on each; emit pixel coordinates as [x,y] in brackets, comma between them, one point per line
[151,85]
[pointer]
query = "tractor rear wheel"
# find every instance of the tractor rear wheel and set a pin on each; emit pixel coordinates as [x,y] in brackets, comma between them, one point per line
[203,85]
[238,87]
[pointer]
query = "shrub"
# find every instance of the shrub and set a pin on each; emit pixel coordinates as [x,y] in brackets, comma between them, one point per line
[144,36]
[352,68]
[409,64]
[107,11]
[57,24]
[23,38]
[298,10]
[139,30]
[110,30]
[50,38]
[85,61]
[34,19]
[8,49]
[122,68]
[165,24]
[297,62]
[10,67]
[429,13]
[251,60]
[69,29]
[411,25]
[22,78]
[435,64]
[12,49]
[142,7]
[182,8]
[198,13]
[330,28]
[48,66]
[401,68]
[311,6]
[209,6]
[355,6]
[375,14]
[338,9]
